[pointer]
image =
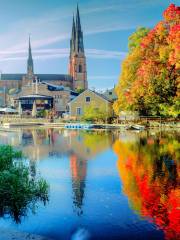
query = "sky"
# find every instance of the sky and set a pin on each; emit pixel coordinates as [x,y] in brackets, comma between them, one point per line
[106,25]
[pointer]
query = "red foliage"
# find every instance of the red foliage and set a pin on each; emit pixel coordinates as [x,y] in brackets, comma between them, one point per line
[172,13]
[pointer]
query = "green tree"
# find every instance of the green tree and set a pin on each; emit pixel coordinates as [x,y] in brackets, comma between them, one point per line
[136,38]
[96,113]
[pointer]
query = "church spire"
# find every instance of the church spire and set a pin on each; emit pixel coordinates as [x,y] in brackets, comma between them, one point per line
[30,68]
[73,37]
[77,59]
[78,21]
[79,35]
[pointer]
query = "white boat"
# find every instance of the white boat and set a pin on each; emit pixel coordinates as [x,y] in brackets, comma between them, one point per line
[135,127]
[138,127]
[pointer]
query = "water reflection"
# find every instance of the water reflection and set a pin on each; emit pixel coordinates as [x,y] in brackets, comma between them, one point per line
[40,143]
[79,170]
[80,167]
[77,146]
[149,170]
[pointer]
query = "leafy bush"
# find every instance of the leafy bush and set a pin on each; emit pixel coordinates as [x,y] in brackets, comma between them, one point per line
[19,191]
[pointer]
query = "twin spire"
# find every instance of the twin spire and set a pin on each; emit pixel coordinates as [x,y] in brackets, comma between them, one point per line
[76,43]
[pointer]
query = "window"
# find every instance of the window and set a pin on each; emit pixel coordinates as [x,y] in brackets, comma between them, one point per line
[80,68]
[78,111]
[110,93]
[30,101]
[88,99]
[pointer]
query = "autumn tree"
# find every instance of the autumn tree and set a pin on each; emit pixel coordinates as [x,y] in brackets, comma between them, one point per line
[150,81]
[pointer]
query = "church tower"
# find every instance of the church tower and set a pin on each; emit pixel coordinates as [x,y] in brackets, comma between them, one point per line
[77,59]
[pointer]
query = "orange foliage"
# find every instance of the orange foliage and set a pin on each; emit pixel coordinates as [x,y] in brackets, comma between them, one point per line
[150,183]
[150,72]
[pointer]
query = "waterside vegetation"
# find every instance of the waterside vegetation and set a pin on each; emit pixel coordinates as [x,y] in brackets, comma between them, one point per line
[20,190]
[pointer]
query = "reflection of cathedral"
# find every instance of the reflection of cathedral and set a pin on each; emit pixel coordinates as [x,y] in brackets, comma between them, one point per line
[78,170]
[62,87]
[77,146]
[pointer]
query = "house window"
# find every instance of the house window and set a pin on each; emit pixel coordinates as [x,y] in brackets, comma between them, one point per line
[78,111]
[88,99]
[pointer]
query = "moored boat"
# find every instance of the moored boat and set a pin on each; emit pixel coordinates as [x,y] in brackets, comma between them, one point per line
[135,127]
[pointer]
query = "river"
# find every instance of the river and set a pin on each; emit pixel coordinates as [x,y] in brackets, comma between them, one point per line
[103,184]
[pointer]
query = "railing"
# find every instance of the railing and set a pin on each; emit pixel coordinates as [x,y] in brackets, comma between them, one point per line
[159,119]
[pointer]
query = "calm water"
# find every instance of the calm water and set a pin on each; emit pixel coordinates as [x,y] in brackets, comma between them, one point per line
[103,185]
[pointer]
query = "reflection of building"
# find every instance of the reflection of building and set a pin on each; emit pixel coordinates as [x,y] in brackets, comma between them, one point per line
[62,87]
[78,169]
[40,143]
[77,146]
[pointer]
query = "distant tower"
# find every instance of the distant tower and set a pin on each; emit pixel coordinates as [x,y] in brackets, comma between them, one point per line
[27,80]
[30,66]
[77,59]
[29,77]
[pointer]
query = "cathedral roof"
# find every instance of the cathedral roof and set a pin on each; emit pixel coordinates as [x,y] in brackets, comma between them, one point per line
[42,77]
[12,76]
[54,77]
[35,96]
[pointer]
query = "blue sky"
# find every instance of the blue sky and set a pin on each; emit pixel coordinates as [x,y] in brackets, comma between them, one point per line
[106,24]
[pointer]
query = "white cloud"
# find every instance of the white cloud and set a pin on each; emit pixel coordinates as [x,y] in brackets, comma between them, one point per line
[55,26]
[43,54]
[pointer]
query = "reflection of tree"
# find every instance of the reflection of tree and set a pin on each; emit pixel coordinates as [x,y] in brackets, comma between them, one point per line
[20,189]
[149,172]
[78,169]
[87,144]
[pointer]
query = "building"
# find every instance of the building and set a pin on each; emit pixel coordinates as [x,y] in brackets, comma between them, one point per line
[42,102]
[87,99]
[62,87]
[111,94]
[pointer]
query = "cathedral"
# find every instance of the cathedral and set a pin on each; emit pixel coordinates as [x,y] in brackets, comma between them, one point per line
[61,87]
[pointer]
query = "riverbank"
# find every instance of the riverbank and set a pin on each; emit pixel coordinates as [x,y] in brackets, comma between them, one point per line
[146,122]
[150,125]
